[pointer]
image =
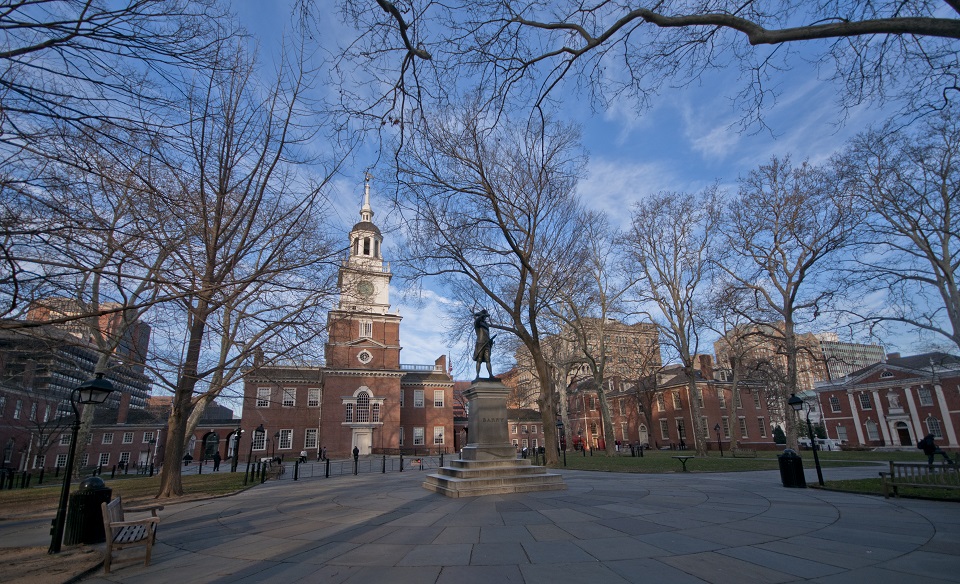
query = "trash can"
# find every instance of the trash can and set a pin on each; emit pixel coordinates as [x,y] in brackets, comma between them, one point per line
[791,469]
[84,517]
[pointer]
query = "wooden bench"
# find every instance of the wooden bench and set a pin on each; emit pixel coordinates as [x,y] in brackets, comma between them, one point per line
[121,533]
[683,460]
[919,474]
[743,452]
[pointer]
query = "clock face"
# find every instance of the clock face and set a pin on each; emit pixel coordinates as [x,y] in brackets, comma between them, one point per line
[365,288]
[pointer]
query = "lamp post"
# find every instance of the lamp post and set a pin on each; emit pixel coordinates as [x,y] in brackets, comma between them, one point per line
[236,449]
[719,445]
[797,404]
[257,434]
[276,438]
[94,391]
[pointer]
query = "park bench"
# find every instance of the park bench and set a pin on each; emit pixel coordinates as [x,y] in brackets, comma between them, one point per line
[683,460]
[121,533]
[743,453]
[919,474]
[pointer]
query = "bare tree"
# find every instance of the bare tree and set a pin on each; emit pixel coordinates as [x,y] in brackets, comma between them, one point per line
[904,52]
[671,244]
[256,268]
[779,234]
[908,183]
[491,209]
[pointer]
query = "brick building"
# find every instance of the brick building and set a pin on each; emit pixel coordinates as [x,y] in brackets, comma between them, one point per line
[361,396]
[893,404]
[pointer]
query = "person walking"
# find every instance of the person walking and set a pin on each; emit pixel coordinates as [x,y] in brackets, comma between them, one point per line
[216,461]
[930,448]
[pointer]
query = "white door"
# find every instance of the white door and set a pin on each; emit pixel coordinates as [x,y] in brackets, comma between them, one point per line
[362,439]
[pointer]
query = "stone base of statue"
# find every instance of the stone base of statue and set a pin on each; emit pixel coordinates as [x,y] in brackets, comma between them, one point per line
[488,464]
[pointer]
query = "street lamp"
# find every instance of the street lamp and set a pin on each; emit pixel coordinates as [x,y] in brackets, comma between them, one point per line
[236,448]
[257,435]
[797,404]
[94,391]
[276,438]
[716,428]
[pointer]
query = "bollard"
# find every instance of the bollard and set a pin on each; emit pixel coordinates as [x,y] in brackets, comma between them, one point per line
[441,459]
[384,469]
[151,469]
[564,458]
[401,462]
[327,472]
[355,463]
[641,452]
[263,473]
[421,463]
[40,478]
[56,472]
[296,470]
[113,472]
[200,468]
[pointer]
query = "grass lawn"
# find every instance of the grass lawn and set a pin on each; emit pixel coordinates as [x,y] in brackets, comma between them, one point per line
[875,487]
[135,490]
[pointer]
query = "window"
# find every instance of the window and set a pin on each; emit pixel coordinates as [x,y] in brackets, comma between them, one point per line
[886,375]
[286,440]
[593,428]
[865,401]
[664,430]
[61,461]
[64,439]
[756,400]
[17,409]
[620,403]
[660,405]
[85,459]
[524,443]
[513,429]
[681,429]
[289,397]
[722,399]
[438,434]
[263,397]
[926,396]
[33,412]
[873,432]
[699,397]
[366,329]
[104,459]
[841,433]
[363,407]
[743,427]
[46,414]
[124,457]
[593,402]
[933,427]
[704,426]
[438,398]
[418,436]
[401,398]
[348,416]
[107,438]
[259,440]
[834,404]
[533,429]
[676,400]
[89,439]
[128,437]
[39,460]
[523,428]
[535,443]
[761,423]
[725,424]
[313,397]
[375,413]
[737,402]
[310,438]
[418,398]
[8,451]
[515,443]
[401,436]
[147,437]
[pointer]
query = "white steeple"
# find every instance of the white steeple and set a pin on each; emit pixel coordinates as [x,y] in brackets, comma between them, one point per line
[366,212]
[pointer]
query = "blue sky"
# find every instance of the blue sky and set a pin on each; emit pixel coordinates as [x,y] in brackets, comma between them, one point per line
[688,138]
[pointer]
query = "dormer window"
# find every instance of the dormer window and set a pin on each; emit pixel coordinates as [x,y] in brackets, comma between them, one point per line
[886,375]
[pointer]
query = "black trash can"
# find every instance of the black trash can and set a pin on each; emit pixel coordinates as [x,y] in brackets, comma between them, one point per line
[791,469]
[84,517]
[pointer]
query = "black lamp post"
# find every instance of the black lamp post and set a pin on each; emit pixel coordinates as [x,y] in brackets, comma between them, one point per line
[797,404]
[276,438]
[716,428]
[94,391]
[257,434]
[236,448]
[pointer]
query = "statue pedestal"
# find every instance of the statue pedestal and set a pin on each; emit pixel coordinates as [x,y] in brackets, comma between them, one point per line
[488,464]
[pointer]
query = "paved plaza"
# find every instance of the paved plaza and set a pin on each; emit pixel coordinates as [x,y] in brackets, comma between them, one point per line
[684,527]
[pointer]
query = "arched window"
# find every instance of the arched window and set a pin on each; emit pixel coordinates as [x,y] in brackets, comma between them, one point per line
[872,431]
[211,444]
[933,427]
[363,407]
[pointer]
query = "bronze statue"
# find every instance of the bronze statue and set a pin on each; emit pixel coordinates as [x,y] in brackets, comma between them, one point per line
[484,346]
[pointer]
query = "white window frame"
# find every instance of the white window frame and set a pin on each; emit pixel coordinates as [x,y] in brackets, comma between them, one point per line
[438,398]
[925,395]
[125,457]
[418,398]
[401,436]
[661,403]
[127,438]
[762,424]
[722,399]
[934,427]
[835,404]
[664,429]
[289,397]
[61,461]
[865,402]
[366,329]
[259,440]
[744,431]
[310,438]
[438,435]
[313,397]
[418,436]
[107,438]
[286,440]
[725,426]
[263,397]
[64,439]
[104,459]
[873,431]
[401,398]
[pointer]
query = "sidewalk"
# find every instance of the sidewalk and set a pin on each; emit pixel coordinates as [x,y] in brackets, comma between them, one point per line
[610,528]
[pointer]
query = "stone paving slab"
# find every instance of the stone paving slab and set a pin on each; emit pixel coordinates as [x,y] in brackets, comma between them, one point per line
[607,527]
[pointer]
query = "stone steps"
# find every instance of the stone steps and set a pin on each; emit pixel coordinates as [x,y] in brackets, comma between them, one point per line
[492,479]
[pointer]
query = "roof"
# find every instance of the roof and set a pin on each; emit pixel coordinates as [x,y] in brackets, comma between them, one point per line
[366,226]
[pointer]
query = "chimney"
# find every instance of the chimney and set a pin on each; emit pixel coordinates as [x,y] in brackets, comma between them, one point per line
[124,407]
[706,366]
[893,356]
[440,364]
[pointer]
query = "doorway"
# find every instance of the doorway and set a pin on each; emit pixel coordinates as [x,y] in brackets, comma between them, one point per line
[903,434]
